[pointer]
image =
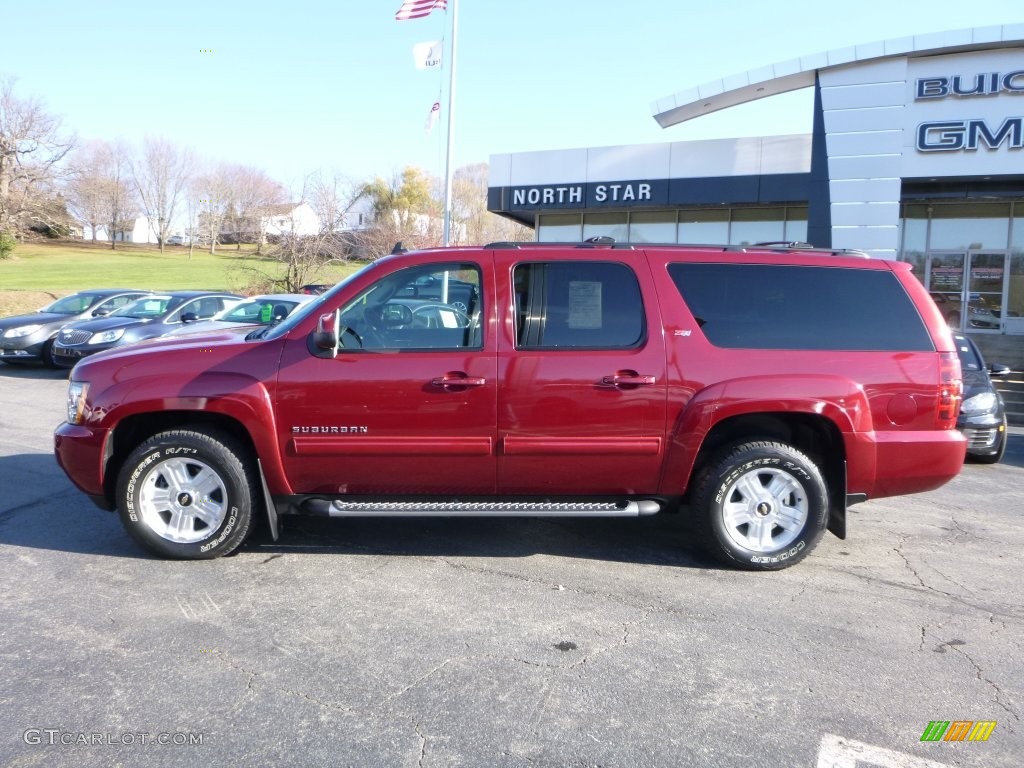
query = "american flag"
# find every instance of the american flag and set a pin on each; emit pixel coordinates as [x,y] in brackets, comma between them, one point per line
[417,9]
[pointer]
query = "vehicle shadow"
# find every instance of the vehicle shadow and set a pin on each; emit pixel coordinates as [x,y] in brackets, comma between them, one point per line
[663,539]
[42,510]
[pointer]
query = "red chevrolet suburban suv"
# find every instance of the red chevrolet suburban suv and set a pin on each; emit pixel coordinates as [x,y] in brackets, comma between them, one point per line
[759,390]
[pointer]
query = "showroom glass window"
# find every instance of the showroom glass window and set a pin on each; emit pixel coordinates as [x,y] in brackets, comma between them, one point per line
[559,228]
[611,225]
[652,227]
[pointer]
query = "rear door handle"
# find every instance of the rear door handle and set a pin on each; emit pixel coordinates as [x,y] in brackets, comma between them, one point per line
[628,380]
[458,380]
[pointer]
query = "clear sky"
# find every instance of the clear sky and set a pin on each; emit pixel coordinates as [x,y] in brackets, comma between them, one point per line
[296,86]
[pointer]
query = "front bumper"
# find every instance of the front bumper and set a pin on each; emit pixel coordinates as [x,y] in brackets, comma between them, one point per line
[985,433]
[66,357]
[24,348]
[80,452]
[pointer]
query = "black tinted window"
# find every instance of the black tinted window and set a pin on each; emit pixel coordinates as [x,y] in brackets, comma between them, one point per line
[578,304]
[757,306]
[433,306]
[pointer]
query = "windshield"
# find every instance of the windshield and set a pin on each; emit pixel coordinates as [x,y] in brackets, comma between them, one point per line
[969,358]
[259,311]
[71,305]
[144,308]
[304,310]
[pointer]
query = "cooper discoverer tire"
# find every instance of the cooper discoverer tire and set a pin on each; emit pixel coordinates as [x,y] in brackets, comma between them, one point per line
[187,494]
[761,505]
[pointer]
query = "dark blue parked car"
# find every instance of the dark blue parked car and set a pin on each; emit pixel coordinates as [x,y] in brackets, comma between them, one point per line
[145,318]
[983,414]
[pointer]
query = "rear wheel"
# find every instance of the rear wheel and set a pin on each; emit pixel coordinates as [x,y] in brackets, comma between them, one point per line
[188,494]
[761,505]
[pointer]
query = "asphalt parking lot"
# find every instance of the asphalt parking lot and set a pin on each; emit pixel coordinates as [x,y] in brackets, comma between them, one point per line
[503,642]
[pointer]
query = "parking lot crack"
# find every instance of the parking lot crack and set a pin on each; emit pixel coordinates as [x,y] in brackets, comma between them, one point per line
[899,551]
[423,745]
[417,681]
[7,514]
[980,674]
[250,685]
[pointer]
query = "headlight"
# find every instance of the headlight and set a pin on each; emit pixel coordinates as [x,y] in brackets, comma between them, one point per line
[21,330]
[982,403]
[105,337]
[77,392]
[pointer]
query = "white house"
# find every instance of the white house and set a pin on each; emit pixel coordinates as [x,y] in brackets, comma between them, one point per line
[287,219]
[139,230]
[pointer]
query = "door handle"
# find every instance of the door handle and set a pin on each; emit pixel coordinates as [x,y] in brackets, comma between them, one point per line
[458,380]
[628,380]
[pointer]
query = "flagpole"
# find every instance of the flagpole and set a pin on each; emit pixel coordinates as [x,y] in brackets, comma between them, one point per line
[451,128]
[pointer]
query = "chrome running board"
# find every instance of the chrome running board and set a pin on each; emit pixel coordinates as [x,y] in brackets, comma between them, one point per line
[340,508]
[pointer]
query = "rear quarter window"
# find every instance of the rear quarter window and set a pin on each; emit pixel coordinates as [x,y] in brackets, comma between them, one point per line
[768,306]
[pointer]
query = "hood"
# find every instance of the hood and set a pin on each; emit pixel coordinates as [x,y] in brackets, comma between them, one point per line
[34,318]
[208,326]
[199,339]
[107,323]
[199,344]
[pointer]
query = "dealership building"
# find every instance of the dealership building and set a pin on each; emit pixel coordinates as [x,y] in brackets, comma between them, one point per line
[916,153]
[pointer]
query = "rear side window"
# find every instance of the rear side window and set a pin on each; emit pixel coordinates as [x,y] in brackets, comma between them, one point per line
[577,305]
[763,306]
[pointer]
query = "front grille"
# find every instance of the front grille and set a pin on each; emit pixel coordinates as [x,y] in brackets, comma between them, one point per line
[981,438]
[71,337]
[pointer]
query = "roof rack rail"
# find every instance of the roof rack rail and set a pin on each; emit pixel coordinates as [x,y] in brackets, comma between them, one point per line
[592,242]
[782,244]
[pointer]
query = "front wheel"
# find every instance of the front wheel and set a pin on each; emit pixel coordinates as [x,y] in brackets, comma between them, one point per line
[761,505]
[187,494]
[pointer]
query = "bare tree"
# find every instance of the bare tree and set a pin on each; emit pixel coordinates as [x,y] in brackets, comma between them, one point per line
[253,196]
[472,222]
[212,196]
[99,191]
[32,146]
[161,173]
[332,197]
[85,188]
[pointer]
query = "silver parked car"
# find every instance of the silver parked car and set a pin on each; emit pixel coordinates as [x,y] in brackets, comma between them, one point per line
[29,338]
[267,309]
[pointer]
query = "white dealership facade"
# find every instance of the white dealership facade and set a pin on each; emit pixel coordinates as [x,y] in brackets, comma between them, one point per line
[916,153]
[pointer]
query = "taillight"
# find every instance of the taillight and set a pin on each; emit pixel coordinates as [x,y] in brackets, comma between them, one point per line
[951,390]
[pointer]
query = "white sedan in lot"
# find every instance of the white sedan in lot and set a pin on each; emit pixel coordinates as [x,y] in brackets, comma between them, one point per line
[259,310]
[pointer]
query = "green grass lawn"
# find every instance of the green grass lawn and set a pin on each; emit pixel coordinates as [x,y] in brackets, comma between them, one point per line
[38,272]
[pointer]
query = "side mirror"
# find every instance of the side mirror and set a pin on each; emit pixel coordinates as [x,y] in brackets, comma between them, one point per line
[998,369]
[189,317]
[101,312]
[325,337]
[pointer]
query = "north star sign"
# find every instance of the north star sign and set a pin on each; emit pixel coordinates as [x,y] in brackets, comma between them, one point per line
[590,195]
[972,134]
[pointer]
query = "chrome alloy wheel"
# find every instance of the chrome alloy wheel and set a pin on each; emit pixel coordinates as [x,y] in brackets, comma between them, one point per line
[765,509]
[183,500]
